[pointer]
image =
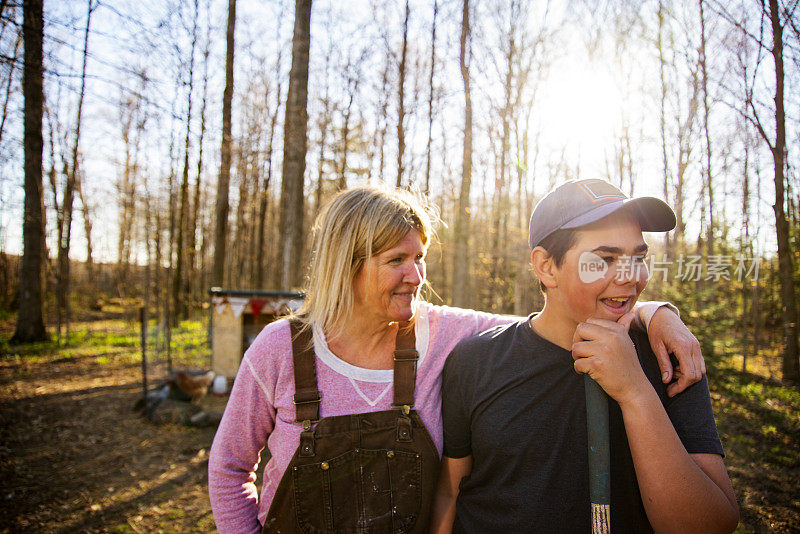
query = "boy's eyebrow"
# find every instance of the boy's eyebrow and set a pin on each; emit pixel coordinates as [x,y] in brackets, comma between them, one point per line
[616,250]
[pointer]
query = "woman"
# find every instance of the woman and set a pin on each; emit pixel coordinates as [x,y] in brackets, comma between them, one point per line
[372,460]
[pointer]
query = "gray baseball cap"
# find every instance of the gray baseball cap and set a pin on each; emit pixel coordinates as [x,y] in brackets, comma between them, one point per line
[580,202]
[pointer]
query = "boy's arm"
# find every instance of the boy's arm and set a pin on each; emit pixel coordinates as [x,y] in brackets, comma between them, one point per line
[444,501]
[696,496]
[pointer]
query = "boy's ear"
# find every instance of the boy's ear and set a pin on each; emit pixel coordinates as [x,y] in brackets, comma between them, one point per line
[544,267]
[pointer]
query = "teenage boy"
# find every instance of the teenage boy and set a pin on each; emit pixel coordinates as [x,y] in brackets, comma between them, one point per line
[513,405]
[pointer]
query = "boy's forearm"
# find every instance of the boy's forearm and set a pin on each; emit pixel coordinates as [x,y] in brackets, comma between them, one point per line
[443,513]
[678,495]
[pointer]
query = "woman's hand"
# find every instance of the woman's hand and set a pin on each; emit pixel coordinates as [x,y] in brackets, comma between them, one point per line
[668,335]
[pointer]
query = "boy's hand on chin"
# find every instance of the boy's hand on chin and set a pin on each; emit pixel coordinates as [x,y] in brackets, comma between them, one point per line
[603,349]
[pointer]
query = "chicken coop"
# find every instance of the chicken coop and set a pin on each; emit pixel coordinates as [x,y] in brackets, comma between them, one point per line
[237,316]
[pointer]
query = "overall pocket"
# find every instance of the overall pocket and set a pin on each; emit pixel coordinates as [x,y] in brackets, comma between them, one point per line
[391,492]
[326,495]
[361,491]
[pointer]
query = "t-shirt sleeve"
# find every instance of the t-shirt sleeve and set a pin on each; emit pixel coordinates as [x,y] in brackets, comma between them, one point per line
[693,418]
[456,407]
[689,411]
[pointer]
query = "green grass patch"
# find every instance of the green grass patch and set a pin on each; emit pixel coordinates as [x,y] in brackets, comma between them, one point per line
[119,341]
[759,417]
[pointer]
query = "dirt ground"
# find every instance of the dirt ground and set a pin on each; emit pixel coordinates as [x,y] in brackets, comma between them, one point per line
[76,457]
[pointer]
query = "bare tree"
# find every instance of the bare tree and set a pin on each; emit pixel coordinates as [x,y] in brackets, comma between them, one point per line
[745,244]
[133,120]
[324,124]
[708,185]
[352,75]
[87,224]
[431,93]
[791,363]
[191,281]
[461,261]
[663,109]
[221,228]
[264,193]
[178,296]
[513,80]
[30,323]
[294,150]
[401,110]
[680,93]
[69,188]
[382,122]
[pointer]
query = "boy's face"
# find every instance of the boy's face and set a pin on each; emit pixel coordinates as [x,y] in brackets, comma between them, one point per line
[604,272]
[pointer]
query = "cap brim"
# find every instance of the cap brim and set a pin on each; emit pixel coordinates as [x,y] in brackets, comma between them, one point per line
[653,214]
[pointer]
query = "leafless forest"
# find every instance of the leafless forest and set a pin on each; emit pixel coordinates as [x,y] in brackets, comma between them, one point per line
[184,144]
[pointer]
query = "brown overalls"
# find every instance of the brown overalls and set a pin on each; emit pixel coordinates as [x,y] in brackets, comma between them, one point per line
[361,473]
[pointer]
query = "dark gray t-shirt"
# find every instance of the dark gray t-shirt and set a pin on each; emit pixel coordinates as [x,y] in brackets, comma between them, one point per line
[514,402]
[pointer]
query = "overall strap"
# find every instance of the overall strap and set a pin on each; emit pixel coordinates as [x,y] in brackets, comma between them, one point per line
[306,394]
[405,368]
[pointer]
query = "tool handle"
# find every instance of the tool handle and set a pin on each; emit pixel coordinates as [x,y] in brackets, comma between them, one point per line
[599,456]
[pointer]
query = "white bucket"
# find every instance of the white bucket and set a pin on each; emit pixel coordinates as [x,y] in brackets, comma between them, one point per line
[220,385]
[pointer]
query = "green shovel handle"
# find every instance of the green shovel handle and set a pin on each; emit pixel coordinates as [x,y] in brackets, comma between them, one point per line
[599,456]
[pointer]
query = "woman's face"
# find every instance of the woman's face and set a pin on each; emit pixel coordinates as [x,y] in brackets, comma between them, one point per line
[387,285]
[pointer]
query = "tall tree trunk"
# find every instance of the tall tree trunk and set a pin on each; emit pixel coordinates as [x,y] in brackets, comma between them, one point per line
[523,282]
[239,255]
[341,183]
[294,151]
[383,104]
[663,116]
[498,271]
[791,364]
[756,298]
[53,179]
[324,126]
[221,210]
[127,189]
[429,148]
[353,74]
[192,280]
[178,294]
[709,185]
[685,146]
[252,222]
[30,324]
[264,193]
[158,258]
[746,244]
[87,226]
[69,190]
[461,266]
[401,111]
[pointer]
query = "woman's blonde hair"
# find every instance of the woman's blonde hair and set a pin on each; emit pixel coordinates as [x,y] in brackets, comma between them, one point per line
[355,225]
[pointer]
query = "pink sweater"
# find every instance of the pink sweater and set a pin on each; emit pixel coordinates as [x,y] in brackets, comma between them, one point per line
[260,411]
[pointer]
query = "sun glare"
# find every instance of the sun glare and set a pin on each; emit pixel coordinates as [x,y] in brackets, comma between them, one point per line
[581,111]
